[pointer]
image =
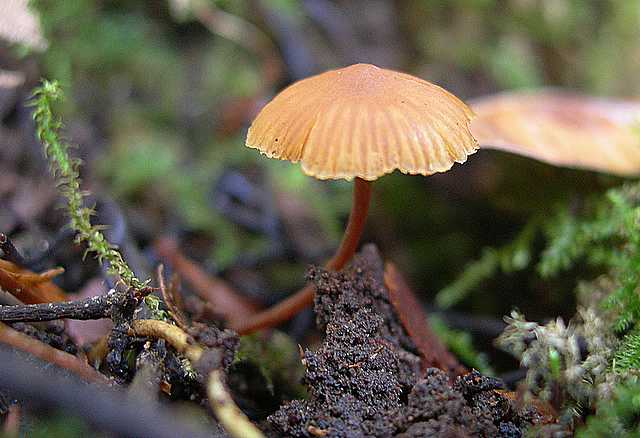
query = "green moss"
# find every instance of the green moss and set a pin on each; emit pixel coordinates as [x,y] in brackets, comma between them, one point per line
[512,257]
[66,171]
[278,361]
[618,417]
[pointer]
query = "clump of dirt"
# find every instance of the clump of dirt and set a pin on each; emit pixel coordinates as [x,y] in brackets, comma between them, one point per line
[365,380]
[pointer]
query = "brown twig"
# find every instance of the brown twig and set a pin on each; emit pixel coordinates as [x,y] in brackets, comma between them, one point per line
[49,354]
[223,298]
[414,320]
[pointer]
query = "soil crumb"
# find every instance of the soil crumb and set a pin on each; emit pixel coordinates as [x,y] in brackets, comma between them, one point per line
[365,380]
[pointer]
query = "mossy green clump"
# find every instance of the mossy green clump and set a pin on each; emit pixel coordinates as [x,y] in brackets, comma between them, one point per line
[617,417]
[66,171]
[586,365]
[608,238]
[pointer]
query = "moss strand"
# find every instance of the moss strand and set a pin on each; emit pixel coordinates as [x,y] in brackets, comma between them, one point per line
[66,171]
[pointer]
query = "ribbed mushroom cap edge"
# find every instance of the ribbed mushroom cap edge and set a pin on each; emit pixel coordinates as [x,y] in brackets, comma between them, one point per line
[364,121]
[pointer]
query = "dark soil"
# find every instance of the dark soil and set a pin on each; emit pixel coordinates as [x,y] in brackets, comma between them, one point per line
[365,380]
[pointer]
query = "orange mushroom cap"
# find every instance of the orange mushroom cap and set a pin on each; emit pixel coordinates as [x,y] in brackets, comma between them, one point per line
[364,121]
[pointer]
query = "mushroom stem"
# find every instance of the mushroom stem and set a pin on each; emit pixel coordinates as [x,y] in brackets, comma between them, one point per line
[355,226]
[285,309]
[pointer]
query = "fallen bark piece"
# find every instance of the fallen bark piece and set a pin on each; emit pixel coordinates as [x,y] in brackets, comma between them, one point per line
[433,353]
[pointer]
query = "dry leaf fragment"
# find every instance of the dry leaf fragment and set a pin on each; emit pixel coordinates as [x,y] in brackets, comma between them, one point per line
[562,129]
[30,287]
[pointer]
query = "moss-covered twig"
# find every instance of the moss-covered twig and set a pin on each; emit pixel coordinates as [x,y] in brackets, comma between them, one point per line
[66,171]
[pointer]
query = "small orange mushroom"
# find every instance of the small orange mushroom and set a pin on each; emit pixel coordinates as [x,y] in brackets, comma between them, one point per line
[358,122]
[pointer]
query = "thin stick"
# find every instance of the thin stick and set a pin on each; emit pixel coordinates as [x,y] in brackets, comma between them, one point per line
[47,353]
[91,308]
[304,297]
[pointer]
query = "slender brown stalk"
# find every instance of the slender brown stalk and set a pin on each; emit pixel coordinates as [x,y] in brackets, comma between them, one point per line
[304,297]
[355,227]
